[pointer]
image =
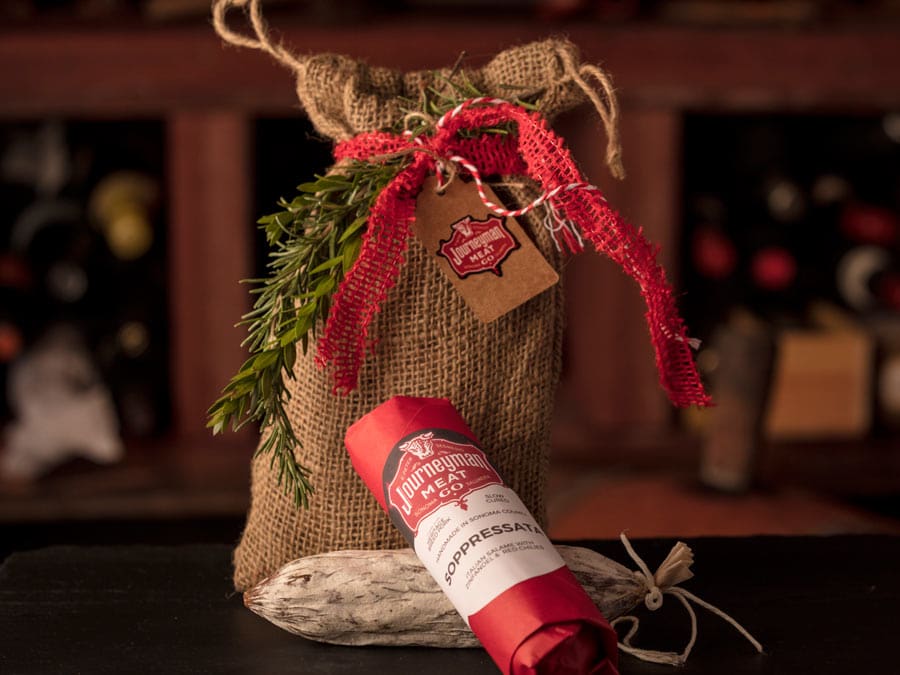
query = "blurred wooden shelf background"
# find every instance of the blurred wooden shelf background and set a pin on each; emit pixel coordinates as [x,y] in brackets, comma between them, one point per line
[209,96]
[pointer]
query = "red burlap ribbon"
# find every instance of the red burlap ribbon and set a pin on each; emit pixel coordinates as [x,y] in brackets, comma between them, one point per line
[534,151]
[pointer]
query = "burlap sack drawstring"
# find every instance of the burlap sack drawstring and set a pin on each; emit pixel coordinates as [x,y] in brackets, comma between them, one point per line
[260,29]
[607,107]
[673,570]
[602,97]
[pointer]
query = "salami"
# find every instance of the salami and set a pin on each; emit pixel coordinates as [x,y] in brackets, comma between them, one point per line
[485,550]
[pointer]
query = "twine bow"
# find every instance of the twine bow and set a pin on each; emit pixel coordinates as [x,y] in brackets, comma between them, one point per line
[674,570]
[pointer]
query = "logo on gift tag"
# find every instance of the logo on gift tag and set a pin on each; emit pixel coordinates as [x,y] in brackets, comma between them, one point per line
[478,246]
[489,259]
[431,470]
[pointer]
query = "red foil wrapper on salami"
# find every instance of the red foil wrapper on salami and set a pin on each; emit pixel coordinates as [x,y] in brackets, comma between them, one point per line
[426,469]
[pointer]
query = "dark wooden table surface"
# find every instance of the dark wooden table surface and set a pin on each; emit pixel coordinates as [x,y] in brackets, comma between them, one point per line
[819,605]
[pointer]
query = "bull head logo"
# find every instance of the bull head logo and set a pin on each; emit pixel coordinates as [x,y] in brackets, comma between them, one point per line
[420,446]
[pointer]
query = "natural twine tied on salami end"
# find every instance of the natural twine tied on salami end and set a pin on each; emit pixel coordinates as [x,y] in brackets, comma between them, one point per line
[339,598]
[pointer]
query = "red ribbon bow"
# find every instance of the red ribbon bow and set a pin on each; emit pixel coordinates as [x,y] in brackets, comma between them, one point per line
[535,151]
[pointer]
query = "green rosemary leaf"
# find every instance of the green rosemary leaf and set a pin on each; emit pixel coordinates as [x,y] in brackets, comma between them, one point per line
[351,253]
[304,342]
[265,382]
[327,265]
[264,360]
[239,389]
[353,228]
[290,357]
[300,327]
[323,184]
[325,287]
[214,408]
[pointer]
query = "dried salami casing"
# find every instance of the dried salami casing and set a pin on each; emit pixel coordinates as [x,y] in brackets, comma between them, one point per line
[388,597]
[476,538]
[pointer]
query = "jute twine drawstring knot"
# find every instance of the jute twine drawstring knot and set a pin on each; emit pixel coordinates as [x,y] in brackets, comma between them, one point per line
[602,96]
[604,101]
[674,570]
[263,40]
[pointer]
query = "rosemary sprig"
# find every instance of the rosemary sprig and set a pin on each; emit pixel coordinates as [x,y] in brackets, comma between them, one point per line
[313,241]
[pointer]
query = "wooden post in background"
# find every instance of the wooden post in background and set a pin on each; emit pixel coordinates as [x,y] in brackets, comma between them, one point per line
[610,383]
[210,250]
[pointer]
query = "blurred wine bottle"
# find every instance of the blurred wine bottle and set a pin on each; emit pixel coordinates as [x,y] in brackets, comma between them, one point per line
[15,286]
[52,236]
[713,253]
[864,277]
[15,290]
[889,391]
[122,206]
[712,260]
[868,224]
[773,268]
[130,332]
[785,200]
[829,190]
[131,355]
[775,275]
[11,338]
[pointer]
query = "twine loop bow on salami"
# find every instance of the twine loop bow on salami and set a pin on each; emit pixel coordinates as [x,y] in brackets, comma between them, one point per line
[531,150]
[675,569]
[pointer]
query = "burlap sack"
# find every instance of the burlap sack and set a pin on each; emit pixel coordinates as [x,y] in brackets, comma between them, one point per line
[501,376]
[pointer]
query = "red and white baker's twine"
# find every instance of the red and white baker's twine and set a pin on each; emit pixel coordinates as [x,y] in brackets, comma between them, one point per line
[513,213]
[554,222]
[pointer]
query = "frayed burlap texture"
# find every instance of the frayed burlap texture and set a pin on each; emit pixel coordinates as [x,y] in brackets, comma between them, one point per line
[501,376]
[344,97]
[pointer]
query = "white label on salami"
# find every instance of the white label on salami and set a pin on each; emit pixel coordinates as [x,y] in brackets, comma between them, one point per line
[472,533]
